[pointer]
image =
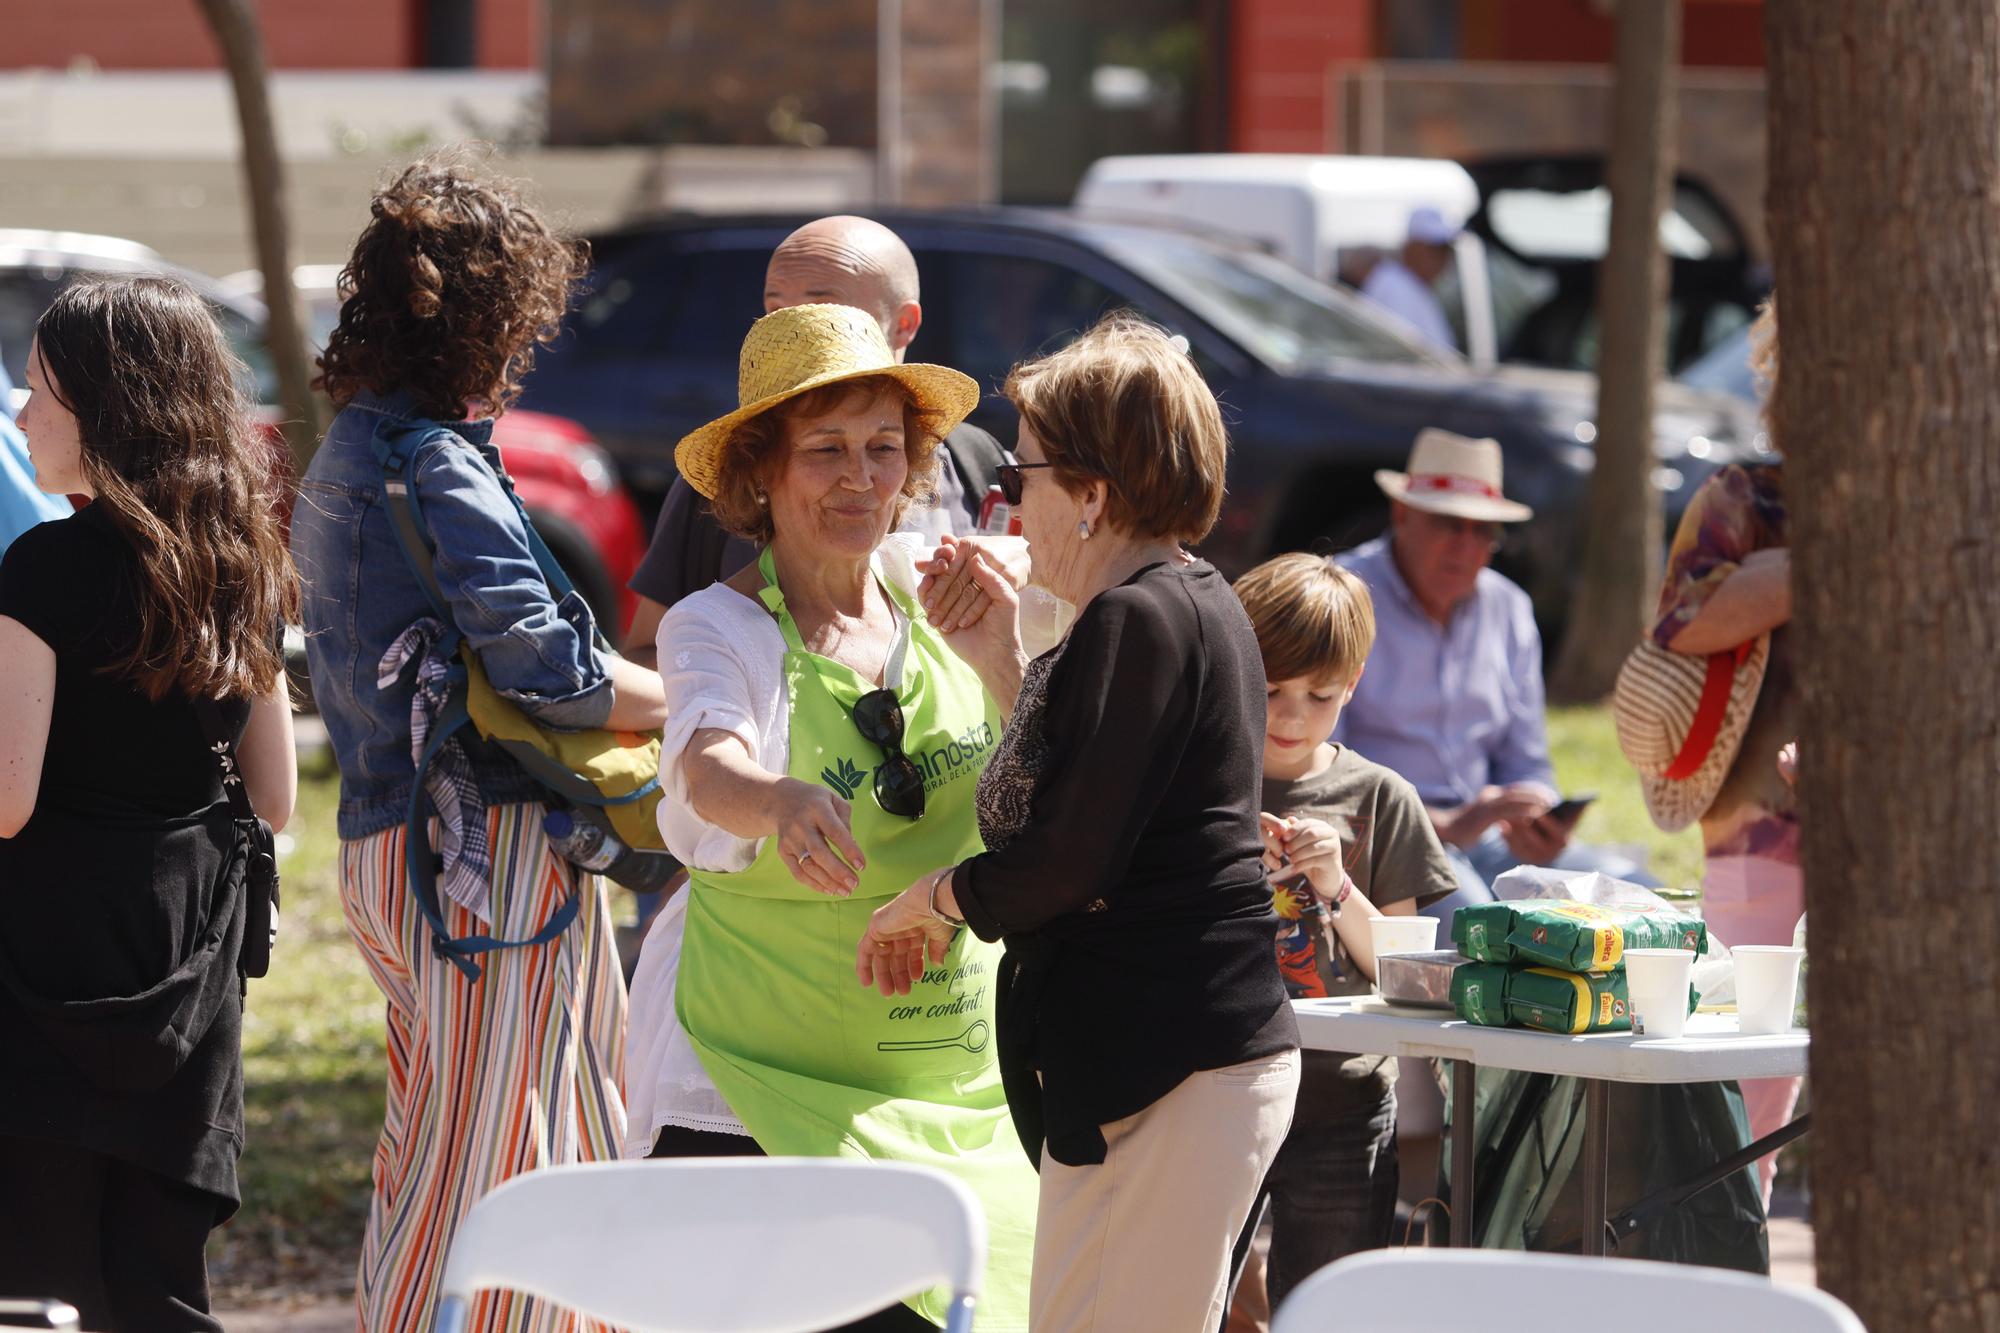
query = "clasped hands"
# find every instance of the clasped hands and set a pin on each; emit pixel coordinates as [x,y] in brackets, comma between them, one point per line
[904,936]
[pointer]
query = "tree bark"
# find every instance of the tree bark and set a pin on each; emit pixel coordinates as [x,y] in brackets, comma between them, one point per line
[1885,165]
[235,28]
[1621,547]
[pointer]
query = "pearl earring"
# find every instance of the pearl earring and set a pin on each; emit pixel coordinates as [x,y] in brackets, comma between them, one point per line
[762,498]
[1083,528]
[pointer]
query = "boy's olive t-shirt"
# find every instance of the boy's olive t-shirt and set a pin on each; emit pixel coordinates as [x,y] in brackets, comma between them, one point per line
[1392,854]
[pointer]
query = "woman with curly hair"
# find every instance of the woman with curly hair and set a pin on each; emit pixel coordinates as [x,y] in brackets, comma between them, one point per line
[453,283]
[138,653]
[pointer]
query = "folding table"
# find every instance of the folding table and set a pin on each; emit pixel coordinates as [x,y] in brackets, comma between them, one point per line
[1711,1050]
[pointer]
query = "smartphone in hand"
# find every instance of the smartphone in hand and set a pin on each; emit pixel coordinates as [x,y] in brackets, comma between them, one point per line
[1570,808]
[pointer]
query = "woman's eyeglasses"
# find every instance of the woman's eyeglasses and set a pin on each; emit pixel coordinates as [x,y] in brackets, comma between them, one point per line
[899,783]
[1010,478]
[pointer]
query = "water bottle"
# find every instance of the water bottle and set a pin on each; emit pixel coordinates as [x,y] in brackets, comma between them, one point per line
[590,845]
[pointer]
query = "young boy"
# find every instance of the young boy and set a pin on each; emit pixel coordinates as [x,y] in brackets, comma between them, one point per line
[1346,840]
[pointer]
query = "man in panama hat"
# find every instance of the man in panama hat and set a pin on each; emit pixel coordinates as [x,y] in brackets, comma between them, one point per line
[1452,698]
[843,260]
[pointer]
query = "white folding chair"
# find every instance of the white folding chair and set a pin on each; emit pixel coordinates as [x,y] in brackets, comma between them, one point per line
[1448,1291]
[780,1245]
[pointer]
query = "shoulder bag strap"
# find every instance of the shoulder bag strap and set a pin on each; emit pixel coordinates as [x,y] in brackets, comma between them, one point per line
[213,730]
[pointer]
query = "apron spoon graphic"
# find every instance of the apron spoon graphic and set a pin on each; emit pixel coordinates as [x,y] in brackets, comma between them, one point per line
[972,1039]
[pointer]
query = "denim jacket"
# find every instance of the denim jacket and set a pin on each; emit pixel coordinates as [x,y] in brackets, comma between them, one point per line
[360,596]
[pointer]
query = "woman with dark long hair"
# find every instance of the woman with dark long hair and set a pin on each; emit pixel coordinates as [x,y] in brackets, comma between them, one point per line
[452,284]
[131,633]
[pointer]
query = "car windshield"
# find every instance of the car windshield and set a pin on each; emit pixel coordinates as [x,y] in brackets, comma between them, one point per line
[1576,224]
[1283,317]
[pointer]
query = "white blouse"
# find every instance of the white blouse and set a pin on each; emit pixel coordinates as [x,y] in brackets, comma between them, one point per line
[722,661]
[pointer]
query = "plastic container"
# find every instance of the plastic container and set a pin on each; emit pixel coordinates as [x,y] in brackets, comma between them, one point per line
[1403,934]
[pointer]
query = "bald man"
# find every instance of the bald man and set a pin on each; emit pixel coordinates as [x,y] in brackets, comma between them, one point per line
[838,261]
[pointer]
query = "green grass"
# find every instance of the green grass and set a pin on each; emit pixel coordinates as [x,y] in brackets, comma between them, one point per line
[1585,750]
[312,1035]
[313,1085]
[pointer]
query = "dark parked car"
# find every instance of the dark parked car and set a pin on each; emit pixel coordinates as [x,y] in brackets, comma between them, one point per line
[1319,391]
[567,483]
[1545,221]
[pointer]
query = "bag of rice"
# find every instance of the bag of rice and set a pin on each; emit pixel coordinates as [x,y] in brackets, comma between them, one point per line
[1543,998]
[1573,1002]
[1572,937]
[1479,994]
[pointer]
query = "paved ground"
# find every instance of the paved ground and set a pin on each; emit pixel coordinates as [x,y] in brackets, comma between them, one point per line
[325,1317]
[1791,1238]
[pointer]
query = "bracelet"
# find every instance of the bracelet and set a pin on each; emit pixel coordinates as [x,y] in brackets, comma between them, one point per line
[937,882]
[1346,888]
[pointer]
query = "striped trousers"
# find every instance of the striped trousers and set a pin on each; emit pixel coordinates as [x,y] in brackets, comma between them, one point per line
[487,1079]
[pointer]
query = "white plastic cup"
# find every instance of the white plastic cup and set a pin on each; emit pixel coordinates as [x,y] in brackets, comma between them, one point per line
[1767,985]
[1656,990]
[1403,934]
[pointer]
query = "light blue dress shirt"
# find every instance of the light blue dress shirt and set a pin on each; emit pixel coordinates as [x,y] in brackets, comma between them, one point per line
[1451,707]
[1391,285]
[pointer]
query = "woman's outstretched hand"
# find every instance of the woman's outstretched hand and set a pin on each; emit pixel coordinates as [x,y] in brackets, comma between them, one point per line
[902,939]
[814,840]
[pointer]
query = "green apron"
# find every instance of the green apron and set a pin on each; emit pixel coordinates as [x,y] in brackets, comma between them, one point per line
[815,1065]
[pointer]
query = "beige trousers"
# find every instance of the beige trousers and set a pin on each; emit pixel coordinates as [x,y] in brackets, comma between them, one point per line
[1142,1240]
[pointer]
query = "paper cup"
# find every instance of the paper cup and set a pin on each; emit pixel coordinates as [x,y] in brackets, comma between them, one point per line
[1656,990]
[1403,934]
[1767,983]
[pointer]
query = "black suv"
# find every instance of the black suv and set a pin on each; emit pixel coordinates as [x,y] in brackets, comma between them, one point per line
[1319,391]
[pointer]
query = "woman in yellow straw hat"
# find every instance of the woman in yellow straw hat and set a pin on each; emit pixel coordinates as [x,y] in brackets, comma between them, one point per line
[822,748]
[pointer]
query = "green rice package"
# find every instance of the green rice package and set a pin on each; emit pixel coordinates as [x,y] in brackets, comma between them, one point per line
[1570,936]
[1479,994]
[1494,995]
[1573,1002]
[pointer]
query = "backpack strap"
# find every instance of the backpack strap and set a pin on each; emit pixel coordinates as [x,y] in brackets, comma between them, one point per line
[395,448]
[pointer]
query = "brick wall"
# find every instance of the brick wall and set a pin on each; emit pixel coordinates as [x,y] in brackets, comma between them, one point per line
[298,34]
[1279,54]
[760,72]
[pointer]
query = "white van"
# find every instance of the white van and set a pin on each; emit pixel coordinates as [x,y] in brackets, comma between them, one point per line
[1329,216]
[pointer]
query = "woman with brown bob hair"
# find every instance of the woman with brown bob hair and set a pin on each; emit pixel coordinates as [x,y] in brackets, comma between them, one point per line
[823,742]
[1123,864]
[140,677]
[512,1063]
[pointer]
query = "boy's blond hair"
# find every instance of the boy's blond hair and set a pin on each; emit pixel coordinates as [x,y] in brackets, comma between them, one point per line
[1314,620]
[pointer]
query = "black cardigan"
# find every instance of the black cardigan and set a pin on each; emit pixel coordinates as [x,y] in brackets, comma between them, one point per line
[1133,903]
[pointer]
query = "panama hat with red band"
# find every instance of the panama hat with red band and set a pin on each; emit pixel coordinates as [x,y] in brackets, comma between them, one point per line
[1450,474]
[1681,720]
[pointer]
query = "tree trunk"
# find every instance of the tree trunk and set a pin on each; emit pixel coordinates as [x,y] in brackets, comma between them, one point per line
[1621,547]
[235,28]
[1885,164]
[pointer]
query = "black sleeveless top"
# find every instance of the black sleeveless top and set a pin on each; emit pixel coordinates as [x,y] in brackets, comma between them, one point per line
[121,899]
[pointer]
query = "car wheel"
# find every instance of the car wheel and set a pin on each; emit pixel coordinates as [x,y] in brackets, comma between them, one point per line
[573,551]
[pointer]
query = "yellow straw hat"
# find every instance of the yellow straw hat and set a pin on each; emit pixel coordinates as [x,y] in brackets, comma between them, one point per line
[803,347]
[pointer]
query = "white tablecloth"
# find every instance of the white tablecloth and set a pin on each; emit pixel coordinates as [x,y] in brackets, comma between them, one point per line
[1709,1051]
